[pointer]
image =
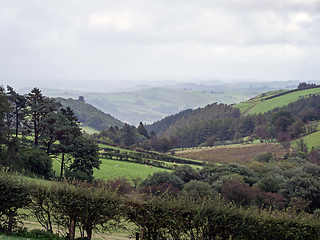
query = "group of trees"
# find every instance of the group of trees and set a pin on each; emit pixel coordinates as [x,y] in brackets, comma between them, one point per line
[130,136]
[35,128]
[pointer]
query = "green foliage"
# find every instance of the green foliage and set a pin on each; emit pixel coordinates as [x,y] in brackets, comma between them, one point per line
[186,173]
[14,194]
[302,186]
[37,161]
[86,156]
[263,157]
[197,188]
[163,177]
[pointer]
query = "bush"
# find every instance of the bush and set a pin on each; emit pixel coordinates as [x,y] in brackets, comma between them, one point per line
[163,177]
[160,189]
[198,188]
[37,161]
[186,173]
[263,157]
[78,175]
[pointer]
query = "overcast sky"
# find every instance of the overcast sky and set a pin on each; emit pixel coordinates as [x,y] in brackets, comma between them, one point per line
[72,40]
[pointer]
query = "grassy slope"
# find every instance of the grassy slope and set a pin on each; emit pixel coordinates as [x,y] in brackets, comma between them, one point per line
[311,140]
[232,154]
[257,106]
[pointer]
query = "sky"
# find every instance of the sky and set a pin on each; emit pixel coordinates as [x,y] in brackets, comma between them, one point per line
[73,42]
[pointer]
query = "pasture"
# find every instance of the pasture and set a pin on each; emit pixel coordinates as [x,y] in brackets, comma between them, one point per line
[241,154]
[256,105]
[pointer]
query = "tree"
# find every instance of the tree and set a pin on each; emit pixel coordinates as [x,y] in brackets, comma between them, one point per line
[86,156]
[18,105]
[4,109]
[15,194]
[38,108]
[298,128]
[67,134]
[281,124]
[127,135]
[142,131]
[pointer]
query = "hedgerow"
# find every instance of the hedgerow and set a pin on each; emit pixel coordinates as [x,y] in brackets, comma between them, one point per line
[88,207]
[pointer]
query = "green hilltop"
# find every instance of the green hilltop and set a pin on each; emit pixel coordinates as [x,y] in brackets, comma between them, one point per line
[280,98]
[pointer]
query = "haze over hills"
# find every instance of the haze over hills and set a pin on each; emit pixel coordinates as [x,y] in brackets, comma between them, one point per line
[149,102]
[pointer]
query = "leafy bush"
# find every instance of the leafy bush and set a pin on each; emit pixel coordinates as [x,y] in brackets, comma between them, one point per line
[198,188]
[263,157]
[163,177]
[160,189]
[186,173]
[37,161]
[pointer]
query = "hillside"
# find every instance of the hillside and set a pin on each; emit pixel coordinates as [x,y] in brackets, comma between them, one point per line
[188,117]
[263,103]
[153,104]
[89,115]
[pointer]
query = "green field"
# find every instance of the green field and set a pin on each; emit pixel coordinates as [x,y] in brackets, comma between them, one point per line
[257,106]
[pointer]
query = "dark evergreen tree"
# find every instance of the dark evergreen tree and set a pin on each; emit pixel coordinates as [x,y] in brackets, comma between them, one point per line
[18,105]
[142,131]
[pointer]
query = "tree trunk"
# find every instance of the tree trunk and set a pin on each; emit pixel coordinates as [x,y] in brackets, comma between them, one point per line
[72,229]
[62,165]
[11,216]
[89,232]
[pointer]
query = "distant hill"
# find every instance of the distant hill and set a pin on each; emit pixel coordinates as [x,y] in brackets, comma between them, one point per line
[90,115]
[153,104]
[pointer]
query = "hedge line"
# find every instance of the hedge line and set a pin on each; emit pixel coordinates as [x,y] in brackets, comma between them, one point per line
[287,92]
[86,207]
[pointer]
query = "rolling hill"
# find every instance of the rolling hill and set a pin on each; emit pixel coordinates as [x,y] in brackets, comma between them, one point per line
[90,116]
[262,104]
[150,105]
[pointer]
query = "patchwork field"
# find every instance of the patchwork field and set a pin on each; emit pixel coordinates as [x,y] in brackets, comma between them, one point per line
[232,154]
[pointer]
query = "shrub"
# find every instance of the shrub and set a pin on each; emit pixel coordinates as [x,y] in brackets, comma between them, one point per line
[162,177]
[240,193]
[121,185]
[37,161]
[197,188]
[160,189]
[263,157]
[186,173]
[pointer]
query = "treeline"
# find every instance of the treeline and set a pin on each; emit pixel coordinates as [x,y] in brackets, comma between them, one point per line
[34,129]
[134,137]
[270,200]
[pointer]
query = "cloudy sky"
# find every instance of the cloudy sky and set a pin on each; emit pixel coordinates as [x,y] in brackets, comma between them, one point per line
[74,40]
